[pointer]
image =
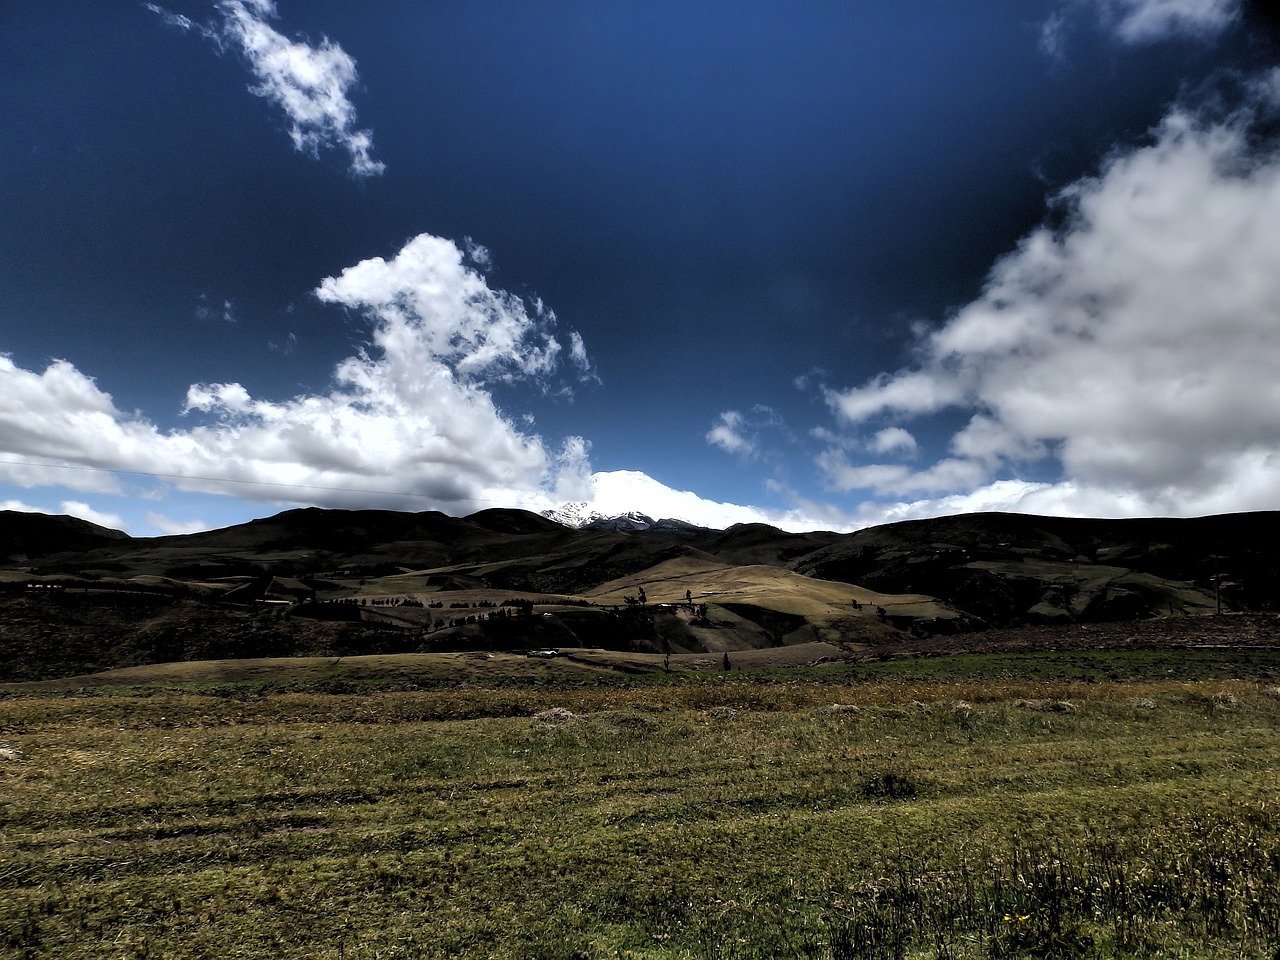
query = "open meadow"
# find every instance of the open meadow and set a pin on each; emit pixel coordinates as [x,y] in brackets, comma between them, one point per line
[819,813]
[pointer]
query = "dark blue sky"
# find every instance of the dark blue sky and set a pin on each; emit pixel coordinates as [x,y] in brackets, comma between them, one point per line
[723,200]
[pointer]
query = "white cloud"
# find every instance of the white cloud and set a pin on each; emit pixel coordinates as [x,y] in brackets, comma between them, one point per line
[619,491]
[409,415]
[1064,499]
[578,356]
[71,508]
[427,304]
[226,397]
[171,527]
[1139,345]
[728,434]
[894,478]
[746,435]
[173,19]
[478,254]
[310,83]
[988,441]
[1141,21]
[1053,35]
[844,476]
[1145,21]
[112,521]
[893,440]
[905,392]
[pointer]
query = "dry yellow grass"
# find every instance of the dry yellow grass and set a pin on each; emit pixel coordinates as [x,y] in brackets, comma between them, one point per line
[759,585]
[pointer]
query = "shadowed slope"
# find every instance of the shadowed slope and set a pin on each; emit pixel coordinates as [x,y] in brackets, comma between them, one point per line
[32,535]
[1011,568]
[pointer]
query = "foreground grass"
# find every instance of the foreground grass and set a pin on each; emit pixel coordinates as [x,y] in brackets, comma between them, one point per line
[713,819]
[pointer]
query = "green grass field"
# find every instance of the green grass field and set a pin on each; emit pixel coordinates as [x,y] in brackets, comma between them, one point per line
[819,815]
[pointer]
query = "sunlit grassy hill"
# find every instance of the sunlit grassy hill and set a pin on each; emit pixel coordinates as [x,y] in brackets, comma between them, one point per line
[781,605]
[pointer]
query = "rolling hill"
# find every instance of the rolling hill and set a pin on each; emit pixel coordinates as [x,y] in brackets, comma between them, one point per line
[1011,568]
[75,597]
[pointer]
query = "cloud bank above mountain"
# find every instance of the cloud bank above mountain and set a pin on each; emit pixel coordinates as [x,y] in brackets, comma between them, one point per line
[1135,346]
[410,419]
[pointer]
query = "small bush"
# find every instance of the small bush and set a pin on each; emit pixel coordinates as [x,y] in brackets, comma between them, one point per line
[840,708]
[555,716]
[888,786]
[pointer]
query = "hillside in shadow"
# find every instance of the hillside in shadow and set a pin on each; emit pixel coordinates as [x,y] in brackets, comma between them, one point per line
[77,597]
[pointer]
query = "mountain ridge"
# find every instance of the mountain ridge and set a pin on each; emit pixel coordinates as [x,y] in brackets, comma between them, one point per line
[350,581]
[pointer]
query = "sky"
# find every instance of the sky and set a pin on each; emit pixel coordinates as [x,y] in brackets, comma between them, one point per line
[815,264]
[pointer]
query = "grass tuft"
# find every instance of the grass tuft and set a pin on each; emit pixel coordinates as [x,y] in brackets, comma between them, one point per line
[555,717]
[1048,706]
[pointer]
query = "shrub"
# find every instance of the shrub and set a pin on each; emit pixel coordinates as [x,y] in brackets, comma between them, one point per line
[555,716]
[888,786]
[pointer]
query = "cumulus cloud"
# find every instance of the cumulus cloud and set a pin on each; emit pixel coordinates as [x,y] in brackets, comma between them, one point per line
[427,303]
[905,392]
[75,508]
[893,441]
[71,508]
[1137,346]
[746,435]
[19,506]
[894,478]
[410,415]
[310,83]
[728,434]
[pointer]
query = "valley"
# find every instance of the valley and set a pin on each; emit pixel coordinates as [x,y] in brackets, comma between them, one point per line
[78,599]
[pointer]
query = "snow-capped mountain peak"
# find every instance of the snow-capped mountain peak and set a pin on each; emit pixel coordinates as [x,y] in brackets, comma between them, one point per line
[580,514]
[620,493]
[629,522]
[576,514]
